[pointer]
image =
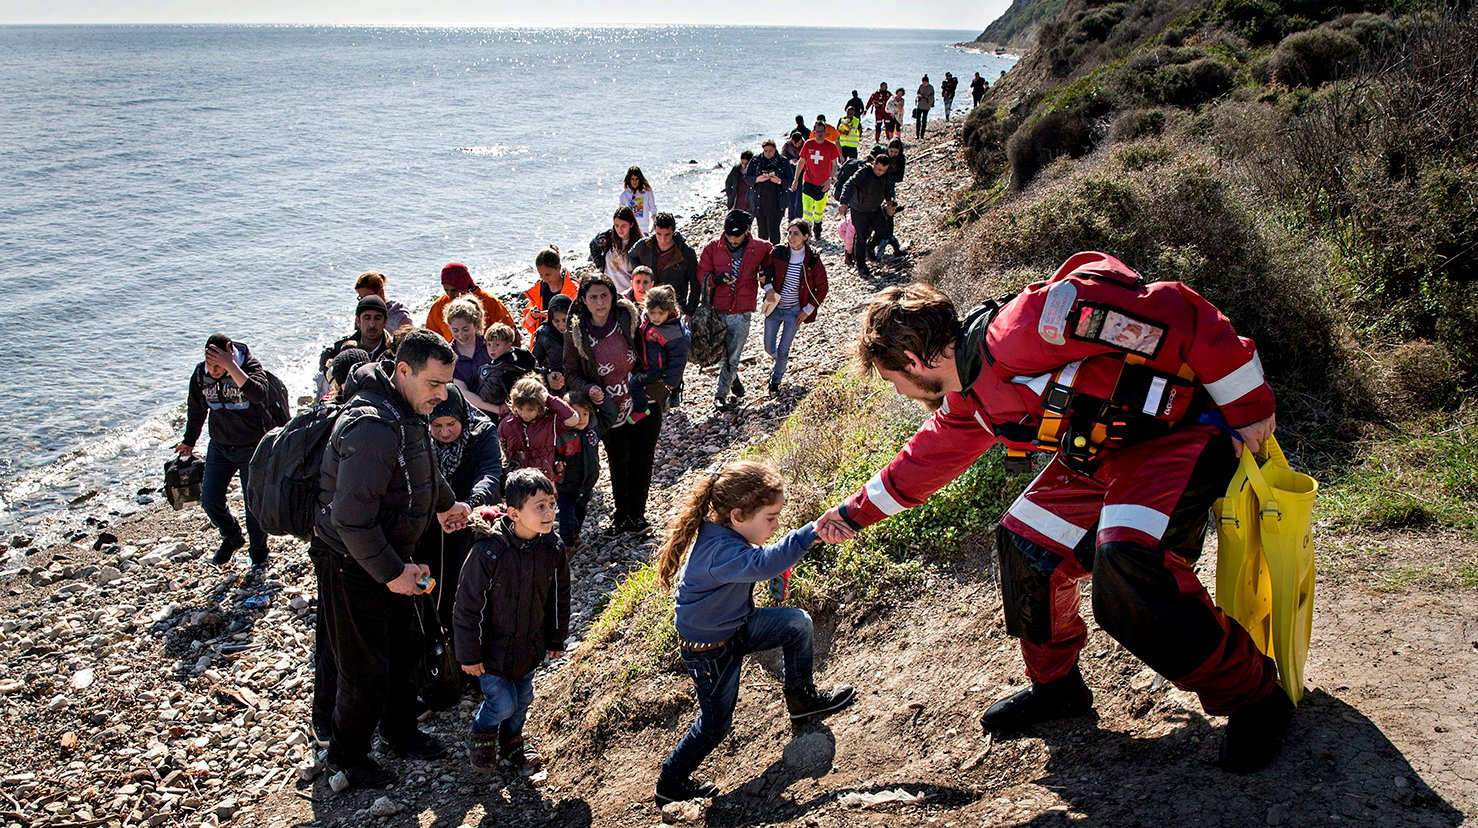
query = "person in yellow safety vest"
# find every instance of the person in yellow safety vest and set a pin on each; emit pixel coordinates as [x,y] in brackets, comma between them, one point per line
[813,174]
[849,132]
[553,280]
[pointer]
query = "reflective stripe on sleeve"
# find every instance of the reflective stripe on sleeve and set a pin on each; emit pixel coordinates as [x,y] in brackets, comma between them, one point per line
[1048,524]
[1133,516]
[1237,384]
[878,494]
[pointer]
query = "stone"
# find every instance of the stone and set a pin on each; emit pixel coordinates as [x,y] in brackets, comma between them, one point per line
[385,806]
[104,539]
[678,813]
[108,574]
[226,809]
[82,679]
[11,686]
[812,751]
[339,782]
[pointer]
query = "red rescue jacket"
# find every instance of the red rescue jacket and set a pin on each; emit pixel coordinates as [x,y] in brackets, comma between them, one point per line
[1092,333]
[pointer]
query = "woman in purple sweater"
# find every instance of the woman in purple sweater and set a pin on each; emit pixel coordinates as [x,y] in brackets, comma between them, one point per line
[600,354]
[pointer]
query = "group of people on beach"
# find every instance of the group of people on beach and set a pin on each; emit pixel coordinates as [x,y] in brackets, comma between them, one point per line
[463,456]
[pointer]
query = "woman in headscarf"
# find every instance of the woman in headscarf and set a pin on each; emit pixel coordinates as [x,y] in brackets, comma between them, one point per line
[466,445]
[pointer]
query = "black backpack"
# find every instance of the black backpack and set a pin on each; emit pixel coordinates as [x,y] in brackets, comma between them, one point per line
[283,476]
[278,407]
[707,333]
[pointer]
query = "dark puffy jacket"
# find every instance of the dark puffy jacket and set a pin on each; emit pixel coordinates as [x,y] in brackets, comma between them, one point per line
[496,378]
[682,275]
[768,197]
[866,191]
[665,349]
[715,266]
[372,506]
[238,415]
[478,480]
[549,349]
[513,602]
[736,189]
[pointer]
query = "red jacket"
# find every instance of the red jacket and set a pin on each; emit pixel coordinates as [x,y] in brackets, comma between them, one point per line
[738,296]
[532,445]
[813,278]
[1007,362]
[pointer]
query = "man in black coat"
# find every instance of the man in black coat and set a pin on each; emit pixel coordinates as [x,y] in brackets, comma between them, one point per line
[672,261]
[378,489]
[769,175]
[867,195]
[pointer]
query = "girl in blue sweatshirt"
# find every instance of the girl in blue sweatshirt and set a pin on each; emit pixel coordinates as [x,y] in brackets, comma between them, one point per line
[730,514]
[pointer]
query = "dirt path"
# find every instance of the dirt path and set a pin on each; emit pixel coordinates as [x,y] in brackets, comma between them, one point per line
[140,688]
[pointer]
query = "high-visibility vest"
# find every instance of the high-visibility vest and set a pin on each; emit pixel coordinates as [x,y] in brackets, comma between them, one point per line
[850,131]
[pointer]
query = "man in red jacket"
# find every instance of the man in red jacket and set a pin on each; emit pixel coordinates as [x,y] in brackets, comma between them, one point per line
[729,268]
[1146,395]
[878,103]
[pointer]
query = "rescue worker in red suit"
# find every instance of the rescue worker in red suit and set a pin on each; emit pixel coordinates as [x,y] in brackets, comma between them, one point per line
[1147,396]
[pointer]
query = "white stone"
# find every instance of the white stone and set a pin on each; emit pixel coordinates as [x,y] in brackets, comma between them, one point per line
[385,806]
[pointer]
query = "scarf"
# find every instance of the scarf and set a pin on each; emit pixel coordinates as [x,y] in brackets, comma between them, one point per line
[449,455]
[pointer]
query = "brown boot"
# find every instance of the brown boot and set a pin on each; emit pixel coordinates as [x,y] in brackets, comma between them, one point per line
[482,751]
[518,753]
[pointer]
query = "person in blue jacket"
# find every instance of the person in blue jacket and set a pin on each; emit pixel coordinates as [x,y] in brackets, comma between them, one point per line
[729,515]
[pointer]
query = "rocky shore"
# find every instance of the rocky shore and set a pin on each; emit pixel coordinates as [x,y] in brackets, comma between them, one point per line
[140,685]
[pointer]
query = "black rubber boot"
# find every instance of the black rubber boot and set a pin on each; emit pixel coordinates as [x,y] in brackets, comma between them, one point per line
[1254,734]
[1060,699]
[805,703]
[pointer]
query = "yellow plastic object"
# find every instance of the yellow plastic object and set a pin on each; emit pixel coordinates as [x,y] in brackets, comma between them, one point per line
[1265,559]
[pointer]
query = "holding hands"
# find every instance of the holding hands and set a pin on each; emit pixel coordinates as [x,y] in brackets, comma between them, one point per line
[833,528]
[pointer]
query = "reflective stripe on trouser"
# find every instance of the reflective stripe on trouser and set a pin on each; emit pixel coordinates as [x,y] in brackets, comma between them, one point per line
[1135,528]
[813,201]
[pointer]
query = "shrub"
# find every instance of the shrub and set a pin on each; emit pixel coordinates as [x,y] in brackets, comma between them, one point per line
[1096,24]
[1192,84]
[1137,123]
[1070,132]
[985,143]
[1314,57]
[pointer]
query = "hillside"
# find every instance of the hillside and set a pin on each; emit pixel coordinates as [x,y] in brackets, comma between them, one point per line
[1016,28]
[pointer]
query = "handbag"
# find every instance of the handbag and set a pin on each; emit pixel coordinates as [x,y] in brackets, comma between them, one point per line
[182,479]
[437,677]
[707,332]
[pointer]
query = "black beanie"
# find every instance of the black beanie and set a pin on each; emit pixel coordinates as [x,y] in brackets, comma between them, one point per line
[371,302]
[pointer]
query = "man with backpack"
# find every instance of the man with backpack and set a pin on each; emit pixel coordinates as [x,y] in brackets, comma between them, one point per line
[233,391]
[379,486]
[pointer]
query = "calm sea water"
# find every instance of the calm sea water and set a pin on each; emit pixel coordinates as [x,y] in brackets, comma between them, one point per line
[158,184]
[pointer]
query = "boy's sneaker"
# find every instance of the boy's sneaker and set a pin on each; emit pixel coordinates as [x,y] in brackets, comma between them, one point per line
[227,548]
[322,732]
[1254,734]
[367,773]
[675,399]
[809,703]
[1067,696]
[774,389]
[722,405]
[482,751]
[682,790]
[518,753]
[737,388]
[419,745]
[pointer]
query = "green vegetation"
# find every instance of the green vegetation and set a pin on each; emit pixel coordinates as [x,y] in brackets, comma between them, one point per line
[1016,27]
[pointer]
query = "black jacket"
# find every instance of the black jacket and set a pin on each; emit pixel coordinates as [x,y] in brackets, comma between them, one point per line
[769,198]
[238,415]
[478,480]
[682,276]
[549,348]
[896,167]
[736,189]
[371,506]
[513,602]
[866,191]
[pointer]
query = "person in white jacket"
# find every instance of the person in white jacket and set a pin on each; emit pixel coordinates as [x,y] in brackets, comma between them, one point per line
[638,195]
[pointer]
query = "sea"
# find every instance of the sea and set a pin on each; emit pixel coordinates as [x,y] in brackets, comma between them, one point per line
[162,183]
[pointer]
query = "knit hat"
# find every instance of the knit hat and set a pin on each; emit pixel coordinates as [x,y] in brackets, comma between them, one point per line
[737,223]
[560,303]
[452,406]
[345,362]
[371,302]
[457,277]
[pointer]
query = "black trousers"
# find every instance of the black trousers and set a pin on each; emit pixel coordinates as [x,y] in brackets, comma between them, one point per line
[769,226]
[444,555]
[376,643]
[325,670]
[630,450]
[869,227]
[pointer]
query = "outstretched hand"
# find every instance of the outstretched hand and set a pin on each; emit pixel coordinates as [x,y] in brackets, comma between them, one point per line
[833,528]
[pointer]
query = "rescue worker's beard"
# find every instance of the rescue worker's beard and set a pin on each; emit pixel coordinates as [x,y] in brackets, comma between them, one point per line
[929,393]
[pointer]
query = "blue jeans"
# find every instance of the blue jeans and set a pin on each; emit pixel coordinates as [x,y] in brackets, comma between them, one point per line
[780,328]
[716,675]
[221,464]
[738,324]
[505,705]
[573,506]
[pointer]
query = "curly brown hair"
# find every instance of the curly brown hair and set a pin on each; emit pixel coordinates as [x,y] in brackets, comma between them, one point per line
[914,318]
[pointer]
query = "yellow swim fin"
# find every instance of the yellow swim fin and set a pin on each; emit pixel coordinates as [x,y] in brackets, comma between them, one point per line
[1265,559]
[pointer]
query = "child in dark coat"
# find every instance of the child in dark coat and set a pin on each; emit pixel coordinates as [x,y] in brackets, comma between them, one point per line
[509,364]
[579,450]
[549,343]
[512,610]
[664,355]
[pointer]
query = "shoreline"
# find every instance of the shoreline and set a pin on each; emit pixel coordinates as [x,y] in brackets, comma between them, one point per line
[153,660]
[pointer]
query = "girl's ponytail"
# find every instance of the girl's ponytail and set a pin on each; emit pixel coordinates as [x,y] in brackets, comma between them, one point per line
[685,529]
